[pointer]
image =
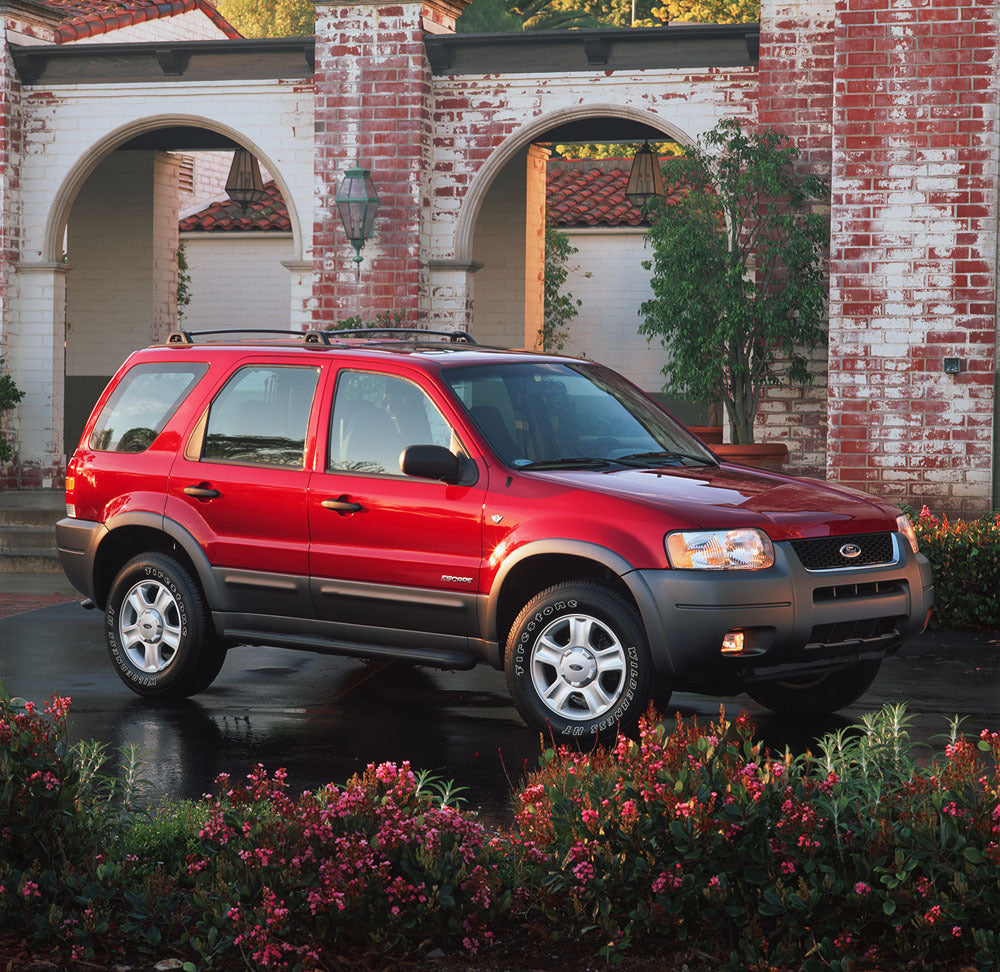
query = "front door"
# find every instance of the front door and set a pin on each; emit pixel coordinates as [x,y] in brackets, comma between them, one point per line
[391,554]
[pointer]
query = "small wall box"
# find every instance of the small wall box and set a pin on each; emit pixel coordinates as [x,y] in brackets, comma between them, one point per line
[952,366]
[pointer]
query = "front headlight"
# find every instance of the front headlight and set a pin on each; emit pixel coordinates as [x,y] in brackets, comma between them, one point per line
[905,527]
[744,549]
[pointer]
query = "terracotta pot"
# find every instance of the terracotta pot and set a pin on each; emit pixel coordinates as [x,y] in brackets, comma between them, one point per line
[709,434]
[762,455]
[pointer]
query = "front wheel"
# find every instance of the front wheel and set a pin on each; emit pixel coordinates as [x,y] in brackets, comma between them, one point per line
[817,695]
[159,636]
[577,662]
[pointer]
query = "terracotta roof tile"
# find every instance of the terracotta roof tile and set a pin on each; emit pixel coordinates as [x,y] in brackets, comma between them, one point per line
[88,18]
[270,214]
[591,192]
[579,192]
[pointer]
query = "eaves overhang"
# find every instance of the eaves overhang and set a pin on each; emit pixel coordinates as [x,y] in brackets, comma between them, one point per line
[683,46]
[215,60]
[678,46]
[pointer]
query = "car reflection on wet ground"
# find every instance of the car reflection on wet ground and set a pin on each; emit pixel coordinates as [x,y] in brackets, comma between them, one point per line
[324,718]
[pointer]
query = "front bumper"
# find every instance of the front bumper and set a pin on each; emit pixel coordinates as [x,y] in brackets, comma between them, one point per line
[794,620]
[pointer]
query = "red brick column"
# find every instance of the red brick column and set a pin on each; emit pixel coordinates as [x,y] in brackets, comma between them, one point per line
[913,256]
[796,97]
[373,102]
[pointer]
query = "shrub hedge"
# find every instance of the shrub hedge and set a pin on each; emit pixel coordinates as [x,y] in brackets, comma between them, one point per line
[860,857]
[965,557]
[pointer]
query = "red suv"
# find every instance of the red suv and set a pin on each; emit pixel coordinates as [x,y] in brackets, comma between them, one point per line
[428,499]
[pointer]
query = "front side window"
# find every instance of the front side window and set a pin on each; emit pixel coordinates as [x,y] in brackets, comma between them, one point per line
[261,416]
[142,404]
[375,417]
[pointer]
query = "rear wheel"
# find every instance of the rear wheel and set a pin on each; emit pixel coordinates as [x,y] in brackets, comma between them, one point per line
[819,694]
[159,635]
[577,662]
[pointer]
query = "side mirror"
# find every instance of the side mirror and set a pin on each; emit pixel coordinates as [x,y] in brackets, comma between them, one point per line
[436,462]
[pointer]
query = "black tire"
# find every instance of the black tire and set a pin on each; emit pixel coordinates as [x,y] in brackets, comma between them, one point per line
[158,631]
[819,694]
[577,663]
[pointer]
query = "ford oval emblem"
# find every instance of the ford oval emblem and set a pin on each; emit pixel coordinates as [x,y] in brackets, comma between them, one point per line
[850,551]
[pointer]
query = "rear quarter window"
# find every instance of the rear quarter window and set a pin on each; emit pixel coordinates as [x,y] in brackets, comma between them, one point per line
[142,404]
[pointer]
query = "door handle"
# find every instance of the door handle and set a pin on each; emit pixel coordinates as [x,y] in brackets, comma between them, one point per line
[201,492]
[341,505]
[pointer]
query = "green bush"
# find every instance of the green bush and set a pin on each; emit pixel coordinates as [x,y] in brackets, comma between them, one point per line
[965,558]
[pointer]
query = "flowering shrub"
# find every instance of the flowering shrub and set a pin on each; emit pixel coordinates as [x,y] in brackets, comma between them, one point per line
[965,557]
[38,795]
[858,855]
[689,838]
[382,861]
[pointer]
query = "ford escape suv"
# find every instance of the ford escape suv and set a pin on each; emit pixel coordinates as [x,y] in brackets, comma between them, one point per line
[424,498]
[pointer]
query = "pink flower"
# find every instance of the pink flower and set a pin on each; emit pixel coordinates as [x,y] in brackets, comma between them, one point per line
[861,889]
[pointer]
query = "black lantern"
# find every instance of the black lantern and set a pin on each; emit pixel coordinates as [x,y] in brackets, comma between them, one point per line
[357,203]
[644,181]
[244,184]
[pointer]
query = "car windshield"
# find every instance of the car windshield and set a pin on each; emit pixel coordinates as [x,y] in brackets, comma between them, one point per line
[565,415]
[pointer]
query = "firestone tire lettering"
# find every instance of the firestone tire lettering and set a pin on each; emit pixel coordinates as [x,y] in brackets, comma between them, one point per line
[577,663]
[158,634]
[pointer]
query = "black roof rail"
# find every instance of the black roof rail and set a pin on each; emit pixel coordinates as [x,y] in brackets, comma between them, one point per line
[454,337]
[180,337]
[187,337]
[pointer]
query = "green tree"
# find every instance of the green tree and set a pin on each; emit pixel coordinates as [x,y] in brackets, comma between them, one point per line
[491,16]
[270,18]
[738,279]
[559,308]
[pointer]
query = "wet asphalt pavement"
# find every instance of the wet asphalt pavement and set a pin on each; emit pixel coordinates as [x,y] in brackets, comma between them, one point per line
[324,718]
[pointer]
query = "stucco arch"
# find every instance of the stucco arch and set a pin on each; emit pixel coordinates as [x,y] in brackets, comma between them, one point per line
[531,132]
[62,202]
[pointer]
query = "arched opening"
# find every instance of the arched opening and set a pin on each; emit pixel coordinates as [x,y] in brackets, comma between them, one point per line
[502,231]
[133,276]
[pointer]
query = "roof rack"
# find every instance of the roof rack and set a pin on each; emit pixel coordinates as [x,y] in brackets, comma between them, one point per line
[454,337]
[184,337]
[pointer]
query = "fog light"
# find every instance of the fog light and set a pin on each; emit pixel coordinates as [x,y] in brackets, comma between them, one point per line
[732,642]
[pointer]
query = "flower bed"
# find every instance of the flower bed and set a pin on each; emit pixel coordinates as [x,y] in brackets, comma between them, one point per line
[690,839]
[965,557]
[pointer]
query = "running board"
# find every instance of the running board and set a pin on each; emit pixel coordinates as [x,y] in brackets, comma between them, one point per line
[438,658]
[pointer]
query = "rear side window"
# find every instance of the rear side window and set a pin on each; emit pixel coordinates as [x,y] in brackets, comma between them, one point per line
[142,404]
[261,416]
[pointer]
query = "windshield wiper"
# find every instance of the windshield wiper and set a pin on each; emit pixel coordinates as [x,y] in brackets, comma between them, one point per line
[658,458]
[567,462]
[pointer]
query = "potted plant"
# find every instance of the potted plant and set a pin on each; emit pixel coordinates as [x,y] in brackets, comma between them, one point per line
[739,289]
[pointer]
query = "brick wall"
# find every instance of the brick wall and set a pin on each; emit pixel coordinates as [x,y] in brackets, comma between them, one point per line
[796,97]
[913,266]
[372,106]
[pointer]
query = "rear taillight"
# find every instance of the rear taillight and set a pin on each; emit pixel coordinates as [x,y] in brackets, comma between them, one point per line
[71,489]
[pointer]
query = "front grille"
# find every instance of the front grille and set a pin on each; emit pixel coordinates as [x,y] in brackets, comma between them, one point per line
[823,553]
[841,631]
[851,592]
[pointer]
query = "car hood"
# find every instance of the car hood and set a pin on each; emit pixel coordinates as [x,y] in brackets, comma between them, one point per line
[731,496]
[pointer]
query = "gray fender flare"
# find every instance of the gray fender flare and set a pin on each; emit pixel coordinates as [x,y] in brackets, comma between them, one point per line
[174,531]
[566,547]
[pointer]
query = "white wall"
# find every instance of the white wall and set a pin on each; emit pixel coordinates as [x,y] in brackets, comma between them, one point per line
[607,275]
[237,280]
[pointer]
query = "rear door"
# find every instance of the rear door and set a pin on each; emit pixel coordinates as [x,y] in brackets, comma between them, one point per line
[393,555]
[241,484]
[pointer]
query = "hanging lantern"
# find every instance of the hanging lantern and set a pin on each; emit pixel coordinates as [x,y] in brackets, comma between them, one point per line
[244,184]
[357,203]
[645,181]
